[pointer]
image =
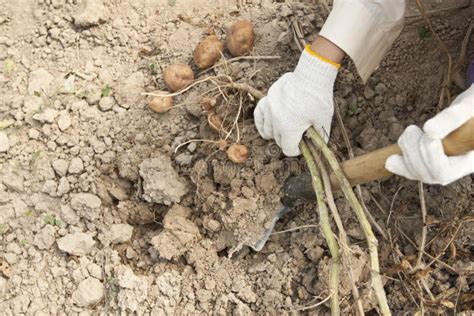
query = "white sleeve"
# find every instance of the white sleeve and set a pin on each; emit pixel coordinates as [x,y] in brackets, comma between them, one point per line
[365,30]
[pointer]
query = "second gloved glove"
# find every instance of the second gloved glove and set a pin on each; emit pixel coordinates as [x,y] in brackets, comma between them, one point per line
[298,100]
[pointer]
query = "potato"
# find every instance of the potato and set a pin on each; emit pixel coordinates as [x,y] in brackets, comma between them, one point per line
[240,38]
[237,153]
[160,104]
[178,76]
[208,103]
[215,121]
[208,51]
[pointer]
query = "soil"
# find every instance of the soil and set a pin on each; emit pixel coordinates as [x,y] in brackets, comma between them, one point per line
[105,209]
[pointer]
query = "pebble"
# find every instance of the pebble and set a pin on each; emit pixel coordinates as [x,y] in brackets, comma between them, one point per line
[86,204]
[93,13]
[47,116]
[120,233]
[64,121]
[77,244]
[39,81]
[368,92]
[106,103]
[4,142]
[33,134]
[60,166]
[380,88]
[76,165]
[89,292]
[45,238]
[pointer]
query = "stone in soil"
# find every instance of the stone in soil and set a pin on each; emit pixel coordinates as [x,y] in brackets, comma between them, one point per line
[77,244]
[86,205]
[92,13]
[4,142]
[39,81]
[161,183]
[178,235]
[89,292]
[120,233]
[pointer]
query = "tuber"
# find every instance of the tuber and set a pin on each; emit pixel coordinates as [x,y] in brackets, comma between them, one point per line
[178,76]
[237,153]
[208,103]
[215,121]
[161,104]
[208,51]
[240,38]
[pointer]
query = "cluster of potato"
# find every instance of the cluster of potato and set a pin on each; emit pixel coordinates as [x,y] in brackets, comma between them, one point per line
[239,41]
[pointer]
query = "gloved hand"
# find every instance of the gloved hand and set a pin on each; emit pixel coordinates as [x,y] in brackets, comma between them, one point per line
[423,155]
[298,100]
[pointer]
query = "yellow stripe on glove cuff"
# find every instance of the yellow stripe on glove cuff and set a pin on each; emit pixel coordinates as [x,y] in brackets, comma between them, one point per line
[313,53]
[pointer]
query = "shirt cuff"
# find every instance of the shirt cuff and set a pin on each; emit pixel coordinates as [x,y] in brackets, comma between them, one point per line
[364,35]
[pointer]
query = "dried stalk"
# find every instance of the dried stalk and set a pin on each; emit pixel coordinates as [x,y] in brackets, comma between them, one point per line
[325,227]
[372,242]
[423,229]
[343,240]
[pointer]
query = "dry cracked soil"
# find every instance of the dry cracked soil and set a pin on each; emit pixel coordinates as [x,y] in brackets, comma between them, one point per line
[107,208]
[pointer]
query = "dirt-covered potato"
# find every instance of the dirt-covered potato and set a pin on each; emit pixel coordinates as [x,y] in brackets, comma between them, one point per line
[178,76]
[240,38]
[215,121]
[160,104]
[208,51]
[237,153]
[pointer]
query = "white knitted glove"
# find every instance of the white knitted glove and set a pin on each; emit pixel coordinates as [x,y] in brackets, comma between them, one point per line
[296,101]
[423,155]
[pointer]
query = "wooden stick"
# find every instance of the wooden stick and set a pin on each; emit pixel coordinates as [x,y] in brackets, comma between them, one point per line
[372,242]
[326,228]
[371,166]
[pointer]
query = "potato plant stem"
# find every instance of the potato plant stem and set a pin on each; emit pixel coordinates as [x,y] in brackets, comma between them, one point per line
[372,242]
[326,228]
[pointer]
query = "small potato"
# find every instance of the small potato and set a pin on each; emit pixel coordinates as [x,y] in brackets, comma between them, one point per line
[238,153]
[240,38]
[216,122]
[160,104]
[208,103]
[208,51]
[178,76]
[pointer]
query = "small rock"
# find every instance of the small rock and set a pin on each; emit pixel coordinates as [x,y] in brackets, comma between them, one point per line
[64,121]
[395,130]
[89,292]
[93,13]
[184,159]
[76,166]
[120,233]
[86,204]
[39,81]
[380,88]
[77,244]
[106,103]
[63,186]
[33,134]
[47,116]
[4,142]
[45,238]
[161,183]
[368,92]
[68,215]
[60,166]
[32,104]
[129,91]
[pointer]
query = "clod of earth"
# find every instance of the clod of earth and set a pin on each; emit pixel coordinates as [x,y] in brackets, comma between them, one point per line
[208,51]
[161,183]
